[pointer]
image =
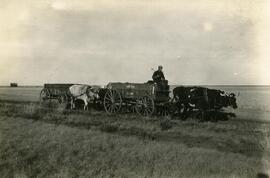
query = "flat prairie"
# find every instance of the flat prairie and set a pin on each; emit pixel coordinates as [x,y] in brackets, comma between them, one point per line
[48,141]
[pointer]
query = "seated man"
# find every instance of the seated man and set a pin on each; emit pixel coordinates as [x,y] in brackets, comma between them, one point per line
[158,77]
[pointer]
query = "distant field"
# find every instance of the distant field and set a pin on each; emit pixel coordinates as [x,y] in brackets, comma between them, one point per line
[20,93]
[48,141]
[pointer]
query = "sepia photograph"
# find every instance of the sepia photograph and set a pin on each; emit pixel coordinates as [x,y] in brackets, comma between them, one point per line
[134,89]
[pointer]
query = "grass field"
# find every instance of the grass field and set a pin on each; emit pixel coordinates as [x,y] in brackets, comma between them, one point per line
[51,142]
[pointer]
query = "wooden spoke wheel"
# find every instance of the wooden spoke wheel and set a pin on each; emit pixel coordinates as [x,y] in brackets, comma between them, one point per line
[112,101]
[44,95]
[145,106]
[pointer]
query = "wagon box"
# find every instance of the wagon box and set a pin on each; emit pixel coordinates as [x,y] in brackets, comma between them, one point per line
[141,97]
[57,85]
[57,91]
[132,90]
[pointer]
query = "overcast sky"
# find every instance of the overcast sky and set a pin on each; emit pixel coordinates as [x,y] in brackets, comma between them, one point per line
[96,42]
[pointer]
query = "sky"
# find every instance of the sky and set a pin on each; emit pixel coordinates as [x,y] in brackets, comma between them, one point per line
[199,42]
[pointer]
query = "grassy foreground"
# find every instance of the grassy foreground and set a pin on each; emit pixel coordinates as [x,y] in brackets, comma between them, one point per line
[49,143]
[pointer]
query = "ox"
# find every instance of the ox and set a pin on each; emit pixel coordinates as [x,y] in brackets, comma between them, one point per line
[82,92]
[204,99]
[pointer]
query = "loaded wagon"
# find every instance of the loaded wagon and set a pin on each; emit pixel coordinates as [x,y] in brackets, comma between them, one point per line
[55,91]
[143,98]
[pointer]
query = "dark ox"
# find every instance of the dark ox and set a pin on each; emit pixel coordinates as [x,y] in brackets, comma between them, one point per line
[203,98]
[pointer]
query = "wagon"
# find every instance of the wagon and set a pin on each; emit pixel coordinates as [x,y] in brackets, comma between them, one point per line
[143,98]
[55,91]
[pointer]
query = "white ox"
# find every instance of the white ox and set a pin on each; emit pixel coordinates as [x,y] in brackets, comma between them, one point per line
[82,92]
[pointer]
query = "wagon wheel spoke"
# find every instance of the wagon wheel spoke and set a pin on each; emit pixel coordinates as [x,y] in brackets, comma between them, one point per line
[145,113]
[107,98]
[112,101]
[145,106]
[114,108]
[110,94]
[107,104]
[110,108]
[148,110]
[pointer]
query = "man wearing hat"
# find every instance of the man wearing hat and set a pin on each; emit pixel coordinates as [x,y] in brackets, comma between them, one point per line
[158,77]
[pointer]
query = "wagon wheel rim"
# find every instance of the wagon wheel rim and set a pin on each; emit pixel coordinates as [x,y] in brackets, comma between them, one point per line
[112,101]
[145,106]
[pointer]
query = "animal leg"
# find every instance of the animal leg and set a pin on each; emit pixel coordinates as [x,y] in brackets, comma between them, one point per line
[72,103]
[85,105]
[201,115]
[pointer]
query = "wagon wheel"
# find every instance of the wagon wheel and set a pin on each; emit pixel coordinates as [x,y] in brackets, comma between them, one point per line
[44,95]
[112,101]
[145,106]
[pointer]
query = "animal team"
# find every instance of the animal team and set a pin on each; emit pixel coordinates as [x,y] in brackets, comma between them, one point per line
[189,97]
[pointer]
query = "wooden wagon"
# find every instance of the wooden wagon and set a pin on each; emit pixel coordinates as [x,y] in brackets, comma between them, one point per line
[55,91]
[144,98]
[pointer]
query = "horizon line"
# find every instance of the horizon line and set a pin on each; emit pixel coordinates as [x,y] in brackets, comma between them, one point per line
[41,85]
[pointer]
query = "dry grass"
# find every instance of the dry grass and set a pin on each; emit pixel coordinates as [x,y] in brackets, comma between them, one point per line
[49,142]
